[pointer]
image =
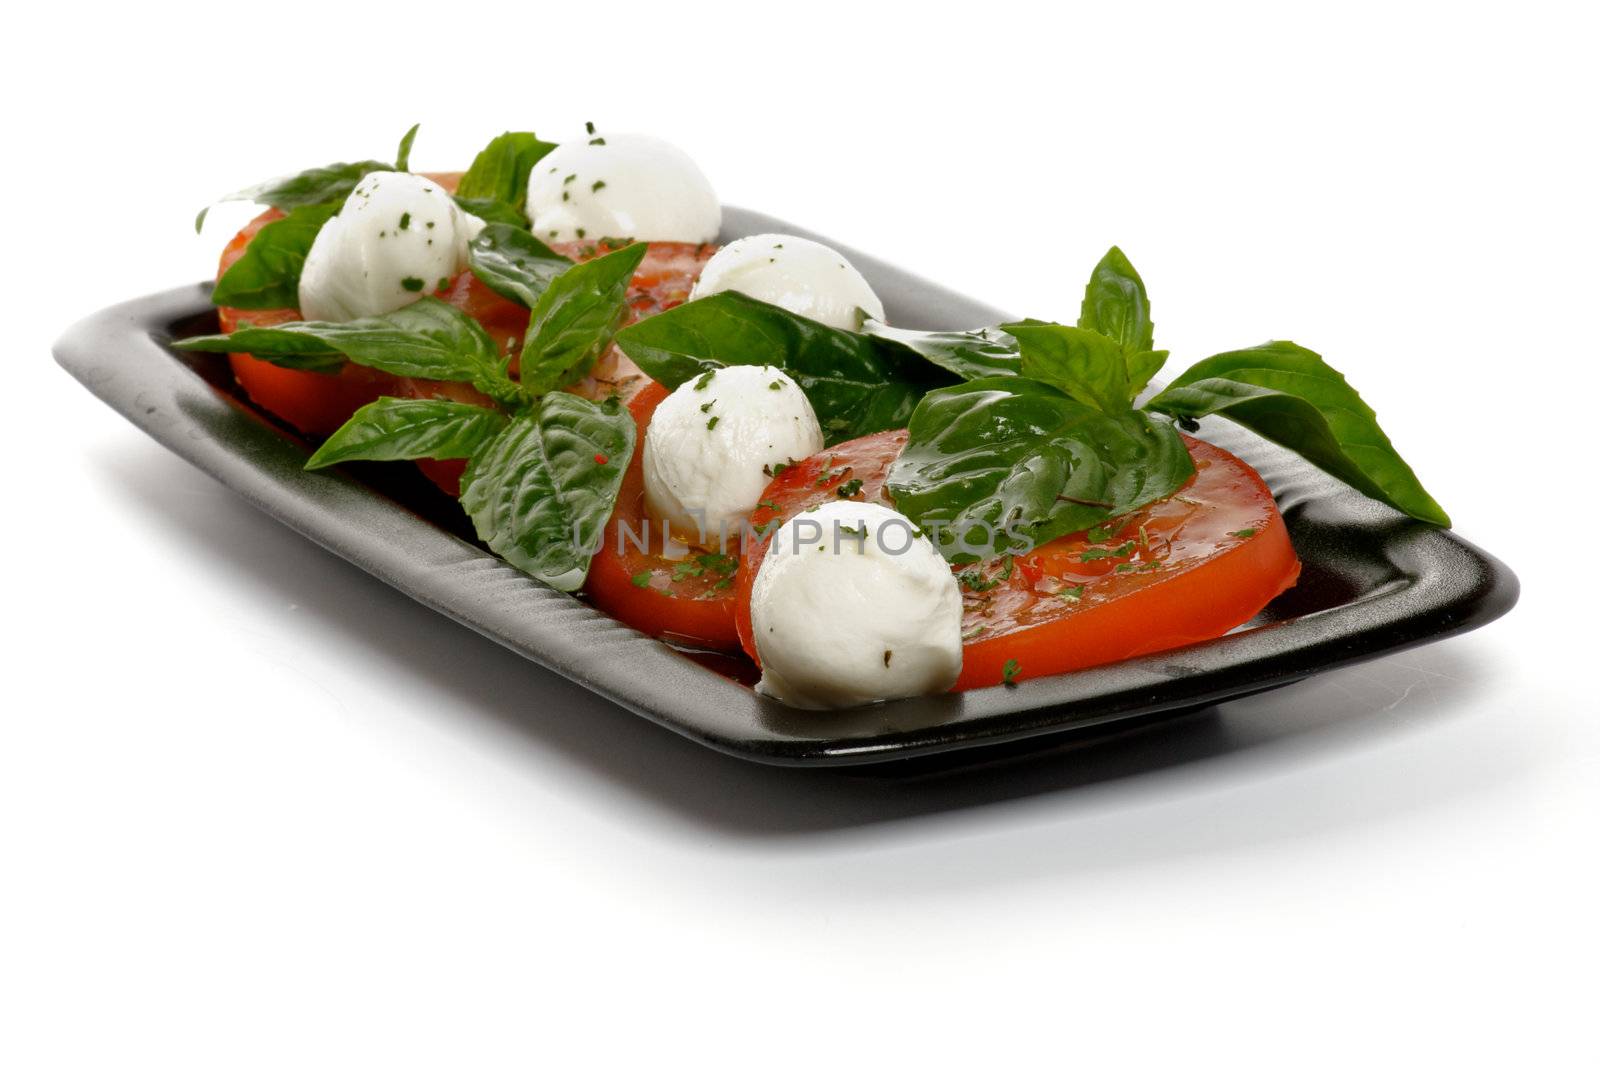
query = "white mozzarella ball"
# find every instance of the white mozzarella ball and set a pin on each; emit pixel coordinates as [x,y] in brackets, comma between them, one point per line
[797,274]
[711,446]
[851,606]
[397,238]
[622,185]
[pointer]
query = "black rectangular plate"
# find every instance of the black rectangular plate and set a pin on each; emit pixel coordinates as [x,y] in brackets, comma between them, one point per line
[1373,583]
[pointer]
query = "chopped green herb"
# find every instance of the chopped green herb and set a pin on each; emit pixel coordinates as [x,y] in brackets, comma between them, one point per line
[405,220]
[1094,554]
[705,408]
[642,578]
[597,186]
[1243,534]
[412,284]
[1073,592]
[705,379]
[849,488]
[972,580]
[1010,672]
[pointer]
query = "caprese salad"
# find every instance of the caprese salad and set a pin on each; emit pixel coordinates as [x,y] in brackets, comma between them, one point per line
[732,447]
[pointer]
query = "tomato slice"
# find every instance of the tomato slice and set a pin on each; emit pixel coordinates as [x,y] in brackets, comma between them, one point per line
[679,594]
[1188,568]
[1184,569]
[314,403]
[856,469]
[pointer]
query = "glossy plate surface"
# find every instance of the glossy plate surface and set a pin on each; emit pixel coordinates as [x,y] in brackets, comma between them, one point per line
[1374,582]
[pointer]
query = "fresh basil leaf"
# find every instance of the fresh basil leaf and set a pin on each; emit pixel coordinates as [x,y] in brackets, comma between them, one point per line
[500,172]
[493,211]
[402,157]
[390,429]
[1115,304]
[994,464]
[1287,394]
[323,184]
[267,275]
[428,339]
[575,318]
[515,263]
[969,355]
[279,345]
[1085,365]
[853,385]
[538,493]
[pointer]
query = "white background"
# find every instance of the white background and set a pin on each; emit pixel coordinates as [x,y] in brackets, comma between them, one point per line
[255,806]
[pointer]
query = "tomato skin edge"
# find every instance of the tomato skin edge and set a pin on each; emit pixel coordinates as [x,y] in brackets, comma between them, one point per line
[702,621]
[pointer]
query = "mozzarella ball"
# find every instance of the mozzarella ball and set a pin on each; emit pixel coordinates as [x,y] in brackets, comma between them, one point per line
[851,606]
[711,446]
[622,185]
[797,274]
[396,239]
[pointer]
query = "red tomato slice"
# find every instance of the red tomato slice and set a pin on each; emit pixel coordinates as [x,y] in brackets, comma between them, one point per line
[684,598]
[824,476]
[1185,569]
[314,403]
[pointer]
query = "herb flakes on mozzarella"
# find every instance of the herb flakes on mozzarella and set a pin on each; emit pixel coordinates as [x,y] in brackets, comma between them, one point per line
[853,605]
[712,445]
[624,186]
[397,238]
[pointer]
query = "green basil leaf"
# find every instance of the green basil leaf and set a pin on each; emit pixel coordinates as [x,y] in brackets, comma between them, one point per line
[1084,364]
[996,463]
[500,172]
[988,352]
[1287,394]
[280,345]
[575,318]
[323,184]
[1115,304]
[402,156]
[267,275]
[850,379]
[428,339]
[537,494]
[390,429]
[493,211]
[515,263]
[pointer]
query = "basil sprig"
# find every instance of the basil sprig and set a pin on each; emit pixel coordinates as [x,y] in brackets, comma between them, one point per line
[1000,464]
[575,319]
[1287,394]
[543,466]
[267,275]
[853,383]
[428,339]
[541,479]
[540,491]
[495,186]
[392,429]
[514,263]
[1280,390]
[975,353]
